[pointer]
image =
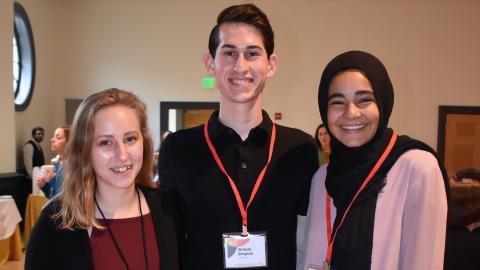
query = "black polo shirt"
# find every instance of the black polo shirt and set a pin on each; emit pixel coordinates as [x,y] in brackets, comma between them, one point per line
[202,203]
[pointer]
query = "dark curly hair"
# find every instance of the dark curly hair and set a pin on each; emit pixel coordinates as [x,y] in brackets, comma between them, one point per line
[470,173]
[464,207]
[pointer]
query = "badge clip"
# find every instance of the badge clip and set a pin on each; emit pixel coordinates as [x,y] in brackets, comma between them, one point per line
[244,230]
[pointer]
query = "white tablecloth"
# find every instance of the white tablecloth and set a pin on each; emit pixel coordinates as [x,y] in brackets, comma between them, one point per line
[9,217]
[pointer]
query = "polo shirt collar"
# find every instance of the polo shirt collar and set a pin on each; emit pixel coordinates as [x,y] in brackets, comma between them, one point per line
[260,133]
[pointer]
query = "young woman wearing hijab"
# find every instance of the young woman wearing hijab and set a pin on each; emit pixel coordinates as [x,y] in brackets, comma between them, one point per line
[105,216]
[389,191]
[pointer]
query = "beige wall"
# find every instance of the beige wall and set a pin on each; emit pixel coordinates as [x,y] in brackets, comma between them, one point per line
[155,48]
[43,110]
[7,139]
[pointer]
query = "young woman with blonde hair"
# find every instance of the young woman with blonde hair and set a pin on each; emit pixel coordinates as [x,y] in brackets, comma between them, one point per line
[106,216]
[51,181]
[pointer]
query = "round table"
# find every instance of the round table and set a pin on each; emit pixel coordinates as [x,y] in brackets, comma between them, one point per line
[10,239]
[34,206]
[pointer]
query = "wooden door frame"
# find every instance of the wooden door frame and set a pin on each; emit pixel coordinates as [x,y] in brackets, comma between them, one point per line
[443,112]
[182,105]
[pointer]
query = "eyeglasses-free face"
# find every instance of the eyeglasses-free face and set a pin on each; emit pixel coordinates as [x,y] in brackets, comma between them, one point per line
[241,65]
[353,114]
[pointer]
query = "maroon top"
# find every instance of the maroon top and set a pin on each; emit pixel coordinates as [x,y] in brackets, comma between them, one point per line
[128,233]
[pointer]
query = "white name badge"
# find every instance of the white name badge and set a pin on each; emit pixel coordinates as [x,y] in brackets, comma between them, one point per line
[244,251]
[314,267]
[326,266]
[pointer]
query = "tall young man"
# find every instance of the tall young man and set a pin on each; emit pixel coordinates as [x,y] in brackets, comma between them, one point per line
[236,184]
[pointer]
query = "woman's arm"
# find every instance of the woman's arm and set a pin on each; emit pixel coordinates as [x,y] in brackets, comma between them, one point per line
[424,218]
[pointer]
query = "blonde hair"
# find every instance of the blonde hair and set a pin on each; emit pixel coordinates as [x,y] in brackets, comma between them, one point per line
[77,206]
[66,130]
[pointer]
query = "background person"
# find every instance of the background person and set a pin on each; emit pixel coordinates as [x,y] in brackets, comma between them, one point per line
[463,234]
[105,216]
[322,139]
[398,220]
[50,183]
[32,151]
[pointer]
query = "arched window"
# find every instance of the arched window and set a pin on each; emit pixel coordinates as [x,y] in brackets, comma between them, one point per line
[23,58]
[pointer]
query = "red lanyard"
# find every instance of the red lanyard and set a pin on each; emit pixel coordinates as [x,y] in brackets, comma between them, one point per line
[243,210]
[362,187]
[328,219]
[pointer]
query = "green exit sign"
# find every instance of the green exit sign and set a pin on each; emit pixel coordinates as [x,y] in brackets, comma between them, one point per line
[208,82]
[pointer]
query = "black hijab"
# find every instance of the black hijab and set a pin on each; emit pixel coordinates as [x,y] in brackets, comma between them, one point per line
[349,166]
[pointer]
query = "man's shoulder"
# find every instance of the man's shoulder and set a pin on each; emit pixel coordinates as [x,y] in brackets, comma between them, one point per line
[29,142]
[184,139]
[294,134]
[183,135]
[28,145]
